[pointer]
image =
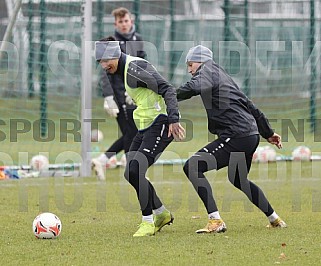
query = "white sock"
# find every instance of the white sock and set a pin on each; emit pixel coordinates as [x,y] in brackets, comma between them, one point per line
[103,158]
[273,217]
[214,215]
[159,210]
[148,219]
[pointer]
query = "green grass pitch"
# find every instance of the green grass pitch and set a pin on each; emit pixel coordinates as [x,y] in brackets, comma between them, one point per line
[99,218]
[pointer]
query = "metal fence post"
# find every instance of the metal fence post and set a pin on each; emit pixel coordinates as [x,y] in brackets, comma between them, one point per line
[43,69]
[137,14]
[312,67]
[31,89]
[247,89]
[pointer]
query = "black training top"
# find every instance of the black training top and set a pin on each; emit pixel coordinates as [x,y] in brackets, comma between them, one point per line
[230,113]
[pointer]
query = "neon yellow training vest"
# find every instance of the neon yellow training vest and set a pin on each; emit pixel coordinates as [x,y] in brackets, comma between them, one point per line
[149,104]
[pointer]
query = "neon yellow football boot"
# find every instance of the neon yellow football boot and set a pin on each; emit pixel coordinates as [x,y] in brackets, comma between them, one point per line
[160,220]
[145,229]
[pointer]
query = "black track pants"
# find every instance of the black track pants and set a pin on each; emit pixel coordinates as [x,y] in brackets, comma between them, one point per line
[237,155]
[146,147]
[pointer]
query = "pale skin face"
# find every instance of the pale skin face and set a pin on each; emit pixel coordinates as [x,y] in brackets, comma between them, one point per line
[192,67]
[123,24]
[110,65]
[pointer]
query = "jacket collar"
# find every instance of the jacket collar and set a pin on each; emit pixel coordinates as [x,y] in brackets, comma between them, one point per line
[125,37]
[121,65]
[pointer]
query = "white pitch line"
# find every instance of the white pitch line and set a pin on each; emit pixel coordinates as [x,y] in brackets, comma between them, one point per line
[157,182]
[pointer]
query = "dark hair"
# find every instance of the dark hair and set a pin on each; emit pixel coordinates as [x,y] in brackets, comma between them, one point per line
[108,39]
[120,12]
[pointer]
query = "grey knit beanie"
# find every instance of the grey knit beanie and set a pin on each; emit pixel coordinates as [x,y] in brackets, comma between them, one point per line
[107,50]
[199,54]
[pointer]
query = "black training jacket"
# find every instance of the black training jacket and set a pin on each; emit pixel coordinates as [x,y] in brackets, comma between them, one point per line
[230,113]
[141,73]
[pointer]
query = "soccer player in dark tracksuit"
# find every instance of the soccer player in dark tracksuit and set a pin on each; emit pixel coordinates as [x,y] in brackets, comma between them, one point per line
[117,103]
[157,120]
[238,124]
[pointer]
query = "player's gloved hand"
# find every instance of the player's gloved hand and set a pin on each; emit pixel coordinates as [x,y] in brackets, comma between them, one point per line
[128,99]
[110,106]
